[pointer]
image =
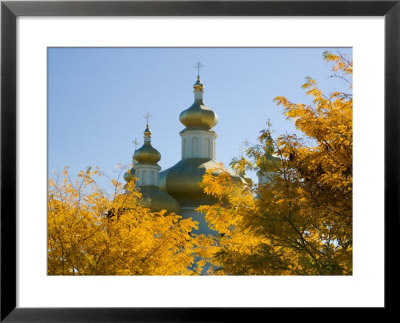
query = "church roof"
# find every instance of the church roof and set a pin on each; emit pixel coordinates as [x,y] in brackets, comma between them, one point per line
[180,185]
[156,200]
[182,181]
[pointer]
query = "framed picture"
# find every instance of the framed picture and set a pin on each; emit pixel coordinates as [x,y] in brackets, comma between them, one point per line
[36,34]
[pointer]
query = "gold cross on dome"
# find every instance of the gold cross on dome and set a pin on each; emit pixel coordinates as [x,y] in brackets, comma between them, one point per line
[245,144]
[136,143]
[269,124]
[147,116]
[198,66]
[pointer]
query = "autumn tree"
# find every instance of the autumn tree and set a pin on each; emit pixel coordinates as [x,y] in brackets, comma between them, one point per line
[91,233]
[298,220]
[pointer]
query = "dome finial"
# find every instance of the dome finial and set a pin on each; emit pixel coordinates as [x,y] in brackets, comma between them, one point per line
[198,66]
[135,143]
[130,174]
[198,86]
[147,116]
[198,89]
[147,132]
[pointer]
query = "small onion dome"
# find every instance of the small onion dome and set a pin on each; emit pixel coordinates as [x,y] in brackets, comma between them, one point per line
[198,116]
[182,181]
[129,175]
[147,154]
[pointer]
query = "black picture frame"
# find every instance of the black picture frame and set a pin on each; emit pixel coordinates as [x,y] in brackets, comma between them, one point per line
[10,10]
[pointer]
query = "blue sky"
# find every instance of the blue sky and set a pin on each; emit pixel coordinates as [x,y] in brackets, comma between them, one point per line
[97,98]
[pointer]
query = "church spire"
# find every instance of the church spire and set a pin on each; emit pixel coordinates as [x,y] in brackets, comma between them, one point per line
[198,66]
[147,154]
[198,90]
[147,132]
[198,116]
[198,86]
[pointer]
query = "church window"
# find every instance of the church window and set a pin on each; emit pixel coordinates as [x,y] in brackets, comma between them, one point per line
[195,147]
[152,178]
[144,182]
[208,148]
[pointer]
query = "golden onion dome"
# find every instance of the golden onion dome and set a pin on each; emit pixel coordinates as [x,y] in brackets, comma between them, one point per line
[154,199]
[147,154]
[157,200]
[129,175]
[198,116]
[182,181]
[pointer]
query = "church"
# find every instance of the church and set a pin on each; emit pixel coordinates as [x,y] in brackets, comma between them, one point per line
[177,189]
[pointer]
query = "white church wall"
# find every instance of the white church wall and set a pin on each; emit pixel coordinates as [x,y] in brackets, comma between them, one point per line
[198,144]
[189,212]
[147,174]
[265,179]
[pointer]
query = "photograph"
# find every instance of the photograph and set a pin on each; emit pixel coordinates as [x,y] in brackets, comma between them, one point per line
[205,161]
[150,148]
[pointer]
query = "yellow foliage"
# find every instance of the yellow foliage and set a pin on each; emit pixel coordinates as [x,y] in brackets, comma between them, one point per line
[300,223]
[92,234]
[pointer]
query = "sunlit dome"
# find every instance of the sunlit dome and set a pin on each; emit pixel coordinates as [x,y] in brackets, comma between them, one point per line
[183,180]
[155,199]
[147,154]
[129,175]
[198,116]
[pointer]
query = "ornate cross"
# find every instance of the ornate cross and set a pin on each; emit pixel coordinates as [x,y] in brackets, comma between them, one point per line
[136,143]
[245,144]
[269,124]
[198,66]
[147,116]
